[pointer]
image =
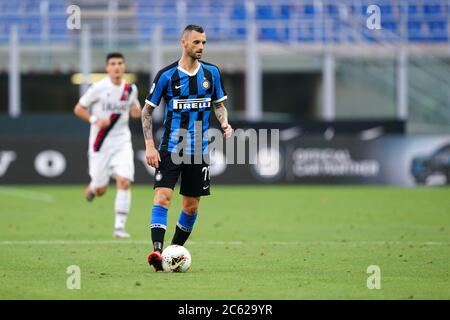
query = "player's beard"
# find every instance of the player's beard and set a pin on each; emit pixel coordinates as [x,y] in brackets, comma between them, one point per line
[193,55]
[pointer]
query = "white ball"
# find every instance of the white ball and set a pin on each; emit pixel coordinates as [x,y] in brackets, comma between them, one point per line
[176,258]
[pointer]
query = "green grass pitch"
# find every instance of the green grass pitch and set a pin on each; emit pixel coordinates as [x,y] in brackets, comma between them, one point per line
[249,242]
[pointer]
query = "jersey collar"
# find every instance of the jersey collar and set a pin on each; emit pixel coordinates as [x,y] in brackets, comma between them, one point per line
[112,83]
[189,73]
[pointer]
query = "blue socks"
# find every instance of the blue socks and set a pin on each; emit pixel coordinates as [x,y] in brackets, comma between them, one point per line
[159,217]
[186,222]
[158,226]
[183,228]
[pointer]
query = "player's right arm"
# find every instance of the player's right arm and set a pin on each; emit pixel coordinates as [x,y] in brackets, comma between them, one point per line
[151,153]
[81,109]
[82,113]
[151,102]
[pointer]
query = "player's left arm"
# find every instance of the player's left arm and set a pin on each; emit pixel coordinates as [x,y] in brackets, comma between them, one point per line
[135,110]
[222,115]
[219,96]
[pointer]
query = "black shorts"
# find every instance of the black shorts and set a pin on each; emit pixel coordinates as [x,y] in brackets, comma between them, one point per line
[195,178]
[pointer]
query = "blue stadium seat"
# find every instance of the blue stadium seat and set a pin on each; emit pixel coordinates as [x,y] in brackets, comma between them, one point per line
[285,12]
[11,7]
[284,35]
[413,9]
[264,12]
[432,8]
[332,10]
[33,28]
[268,34]
[11,19]
[217,5]
[238,33]
[58,28]
[306,34]
[55,6]
[361,10]
[415,31]
[438,30]
[214,31]
[386,10]
[238,12]
[32,25]
[308,10]
[414,26]
[171,30]
[32,6]
[391,26]
[437,26]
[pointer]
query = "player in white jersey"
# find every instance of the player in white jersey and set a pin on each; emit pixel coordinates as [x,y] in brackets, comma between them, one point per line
[107,105]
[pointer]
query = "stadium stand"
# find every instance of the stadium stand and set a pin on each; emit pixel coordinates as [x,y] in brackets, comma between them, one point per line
[279,20]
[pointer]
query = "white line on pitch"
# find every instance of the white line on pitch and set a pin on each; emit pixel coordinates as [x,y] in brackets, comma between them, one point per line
[281,243]
[27,194]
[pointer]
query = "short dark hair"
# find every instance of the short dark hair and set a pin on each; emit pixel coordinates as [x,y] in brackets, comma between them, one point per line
[193,27]
[114,55]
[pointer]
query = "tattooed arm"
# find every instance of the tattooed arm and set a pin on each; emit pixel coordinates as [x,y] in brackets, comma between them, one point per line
[151,153]
[222,115]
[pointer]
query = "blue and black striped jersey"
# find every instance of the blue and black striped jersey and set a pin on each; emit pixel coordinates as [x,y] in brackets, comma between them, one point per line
[189,98]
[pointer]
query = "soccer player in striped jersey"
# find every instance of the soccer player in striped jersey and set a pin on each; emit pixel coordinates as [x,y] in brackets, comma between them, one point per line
[107,105]
[191,89]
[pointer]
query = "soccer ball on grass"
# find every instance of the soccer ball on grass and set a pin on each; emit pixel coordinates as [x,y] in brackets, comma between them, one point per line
[176,258]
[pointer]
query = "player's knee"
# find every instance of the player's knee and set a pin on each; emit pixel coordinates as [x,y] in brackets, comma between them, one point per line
[190,209]
[100,191]
[123,184]
[190,206]
[162,198]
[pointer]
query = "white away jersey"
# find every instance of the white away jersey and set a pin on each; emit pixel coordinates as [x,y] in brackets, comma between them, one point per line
[106,100]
